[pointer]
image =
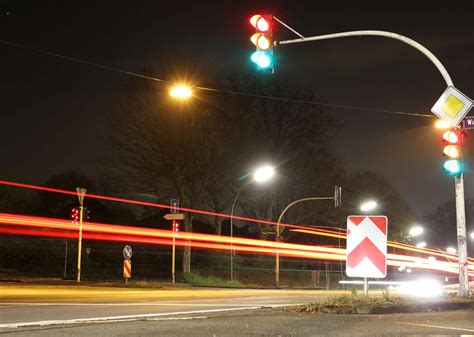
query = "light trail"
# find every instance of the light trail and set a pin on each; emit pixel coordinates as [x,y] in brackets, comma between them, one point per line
[29,225]
[303,229]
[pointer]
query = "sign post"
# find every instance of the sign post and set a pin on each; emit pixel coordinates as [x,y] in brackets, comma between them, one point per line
[366,248]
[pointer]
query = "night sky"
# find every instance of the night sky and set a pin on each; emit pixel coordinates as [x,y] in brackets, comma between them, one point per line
[53,110]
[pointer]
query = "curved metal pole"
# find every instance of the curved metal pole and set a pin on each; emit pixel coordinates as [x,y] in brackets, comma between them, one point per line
[232,234]
[277,237]
[390,35]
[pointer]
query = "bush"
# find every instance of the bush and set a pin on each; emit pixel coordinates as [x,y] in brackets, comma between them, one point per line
[211,281]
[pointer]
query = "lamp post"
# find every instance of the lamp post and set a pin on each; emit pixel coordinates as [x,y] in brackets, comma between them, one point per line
[261,175]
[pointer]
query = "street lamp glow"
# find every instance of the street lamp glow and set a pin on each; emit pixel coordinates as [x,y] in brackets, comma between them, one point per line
[181,91]
[415,231]
[451,250]
[472,235]
[263,174]
[442,124]
[368,206]
[421,244]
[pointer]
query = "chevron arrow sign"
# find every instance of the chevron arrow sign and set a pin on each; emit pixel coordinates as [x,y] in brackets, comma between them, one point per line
[366,246]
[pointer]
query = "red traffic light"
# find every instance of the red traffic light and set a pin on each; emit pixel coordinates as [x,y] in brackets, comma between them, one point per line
[452,136]
[175,226]
[261,23]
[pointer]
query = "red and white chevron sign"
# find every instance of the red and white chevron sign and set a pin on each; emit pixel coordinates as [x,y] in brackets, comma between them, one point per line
[366,246]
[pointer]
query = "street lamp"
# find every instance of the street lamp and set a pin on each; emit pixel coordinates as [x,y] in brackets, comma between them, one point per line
[415,231]
[472,235]
[451,250]
[181,91]
[368,206]
[421,244]
[442,124]
[261,175]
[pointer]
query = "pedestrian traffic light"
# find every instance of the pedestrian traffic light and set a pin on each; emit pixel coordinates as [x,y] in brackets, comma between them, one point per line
[175,226]
[75,215]
[86,214]
[453,140]
[263,41]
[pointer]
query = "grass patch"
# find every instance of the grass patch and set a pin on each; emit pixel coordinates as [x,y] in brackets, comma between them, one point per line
[210,281]
[349,303]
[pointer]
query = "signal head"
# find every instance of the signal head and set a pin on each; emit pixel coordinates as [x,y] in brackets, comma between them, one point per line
[453,167]
[261,23]
[452,136]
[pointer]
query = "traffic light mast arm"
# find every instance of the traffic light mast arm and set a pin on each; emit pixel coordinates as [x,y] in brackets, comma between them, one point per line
[391,35]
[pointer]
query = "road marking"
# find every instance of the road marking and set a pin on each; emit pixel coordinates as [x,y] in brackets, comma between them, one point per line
[438,327]
[157,304]
[130,317]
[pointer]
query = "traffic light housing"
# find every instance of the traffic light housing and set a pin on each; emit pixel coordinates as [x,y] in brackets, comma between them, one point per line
[452,140]
[75,215]
[263,41]
[175,226]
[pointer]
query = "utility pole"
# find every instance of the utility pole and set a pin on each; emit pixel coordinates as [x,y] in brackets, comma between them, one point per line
[461,235]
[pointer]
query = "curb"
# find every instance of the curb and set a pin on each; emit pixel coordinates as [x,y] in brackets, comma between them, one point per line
[411,308]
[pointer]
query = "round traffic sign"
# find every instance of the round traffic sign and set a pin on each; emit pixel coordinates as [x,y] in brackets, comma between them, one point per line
[127,252]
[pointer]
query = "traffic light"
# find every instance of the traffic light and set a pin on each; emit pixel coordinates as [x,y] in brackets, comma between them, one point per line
[75,215]
[87,214]
[453,140]
[263,41]
[175,226]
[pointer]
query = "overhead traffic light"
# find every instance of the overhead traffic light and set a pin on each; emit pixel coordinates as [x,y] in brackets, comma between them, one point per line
[453,140]
[263,41]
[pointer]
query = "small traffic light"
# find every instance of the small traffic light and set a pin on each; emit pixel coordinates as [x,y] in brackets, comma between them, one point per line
[175,226]
[75,215]
[86,214]
[263,41]
[453,140]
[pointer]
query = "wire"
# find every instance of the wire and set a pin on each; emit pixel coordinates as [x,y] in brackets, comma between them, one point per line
[98,65]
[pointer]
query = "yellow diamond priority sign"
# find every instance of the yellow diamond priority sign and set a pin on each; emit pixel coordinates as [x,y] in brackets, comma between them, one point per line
[452,106]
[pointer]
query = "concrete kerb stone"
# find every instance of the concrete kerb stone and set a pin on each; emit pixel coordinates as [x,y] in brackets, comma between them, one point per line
[411,308]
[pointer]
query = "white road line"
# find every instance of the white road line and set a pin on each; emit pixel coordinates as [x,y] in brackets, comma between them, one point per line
[437,326]
[153,304]
[131,317]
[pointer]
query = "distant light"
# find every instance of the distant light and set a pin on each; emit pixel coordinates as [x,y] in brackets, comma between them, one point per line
[421,288]
[415,231]
[401,268]
[442,124]
[421,244]
[181,91]
[408,270]
[451,250]
[472,235]
[263,174]
[368,206]
[431,258]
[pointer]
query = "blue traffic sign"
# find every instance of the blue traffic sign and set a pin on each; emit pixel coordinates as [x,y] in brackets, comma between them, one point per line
[469,123]
[127,252]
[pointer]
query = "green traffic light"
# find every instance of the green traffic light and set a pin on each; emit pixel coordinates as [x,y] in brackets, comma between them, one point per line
[262,59]
[453,167]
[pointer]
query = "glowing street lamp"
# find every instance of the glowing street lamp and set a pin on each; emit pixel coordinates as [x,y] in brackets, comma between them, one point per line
[442,124]
[261,175]
[368,206]
[451,250]
[415,231]
[181,91]
[421,244]
[472,235]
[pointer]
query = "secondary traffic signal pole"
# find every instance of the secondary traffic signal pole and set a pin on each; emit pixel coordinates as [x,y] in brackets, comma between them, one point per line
[459,182]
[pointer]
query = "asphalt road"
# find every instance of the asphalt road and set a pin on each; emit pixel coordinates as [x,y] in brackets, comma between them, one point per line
[29,310]
[29,305]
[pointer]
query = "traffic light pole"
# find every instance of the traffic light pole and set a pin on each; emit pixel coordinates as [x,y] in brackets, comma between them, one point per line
[336,198]
[79,245]
[461,235]
[459,182]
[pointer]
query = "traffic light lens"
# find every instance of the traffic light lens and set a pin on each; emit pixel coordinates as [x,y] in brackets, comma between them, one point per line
[262,24]
[253,20]
[452,137]
[453,167]
[261,59]
[452,151]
